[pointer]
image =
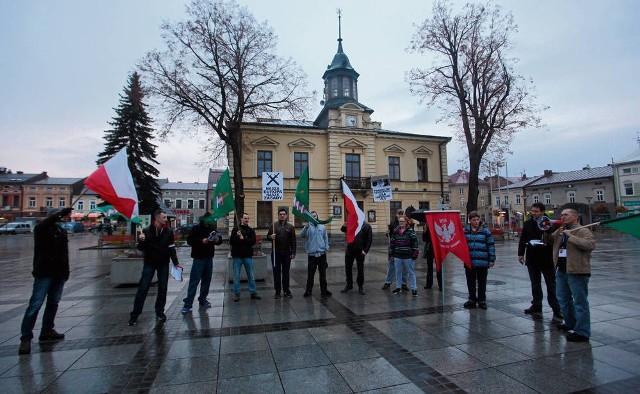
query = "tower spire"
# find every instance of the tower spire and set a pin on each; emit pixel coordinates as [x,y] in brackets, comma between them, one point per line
[339,11]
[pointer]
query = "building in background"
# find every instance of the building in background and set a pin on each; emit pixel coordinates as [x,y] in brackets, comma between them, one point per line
[343,142]
[49,192]
[187,201]
[626,174]
[12,187]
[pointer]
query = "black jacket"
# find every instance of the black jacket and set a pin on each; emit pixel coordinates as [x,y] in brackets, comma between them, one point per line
[159,246]
[201,250]
[362,242]
[242,248]
[51,250]
[285,237]
[537,256]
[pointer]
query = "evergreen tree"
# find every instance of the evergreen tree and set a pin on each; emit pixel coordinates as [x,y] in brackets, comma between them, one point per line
[131,128]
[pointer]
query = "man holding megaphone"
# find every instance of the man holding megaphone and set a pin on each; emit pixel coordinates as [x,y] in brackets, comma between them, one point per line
[536,252]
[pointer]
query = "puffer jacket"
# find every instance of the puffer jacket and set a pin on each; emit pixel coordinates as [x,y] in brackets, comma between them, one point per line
[482,248]
[405,245]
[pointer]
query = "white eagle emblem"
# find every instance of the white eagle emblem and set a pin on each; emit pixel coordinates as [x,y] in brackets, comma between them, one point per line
[445,232]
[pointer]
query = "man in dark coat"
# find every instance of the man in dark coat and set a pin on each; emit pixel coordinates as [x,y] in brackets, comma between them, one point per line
[50,271]
[242,239]
[159,247]
[283,236]
[537,253]
[203,240]
[357,250]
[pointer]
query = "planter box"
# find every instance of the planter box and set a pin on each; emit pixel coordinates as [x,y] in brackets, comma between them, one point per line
[260,268]
[127,271]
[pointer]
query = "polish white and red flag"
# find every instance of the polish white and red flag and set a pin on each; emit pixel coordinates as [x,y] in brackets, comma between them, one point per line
[355,215]
[447,236]
[114,183]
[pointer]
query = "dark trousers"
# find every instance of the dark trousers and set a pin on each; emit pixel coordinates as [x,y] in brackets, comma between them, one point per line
[145,283]
[348,266]
[479,275]
[430,274]
[281,267]
[51,289]
[536,286]
[319,263]
[201,272]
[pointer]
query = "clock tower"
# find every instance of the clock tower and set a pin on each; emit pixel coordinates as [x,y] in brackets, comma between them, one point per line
[340,99]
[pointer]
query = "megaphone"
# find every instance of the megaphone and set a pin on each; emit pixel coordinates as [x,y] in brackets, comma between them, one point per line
[544,223]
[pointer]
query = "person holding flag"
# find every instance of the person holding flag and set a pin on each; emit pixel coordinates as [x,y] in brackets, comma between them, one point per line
[359,239]
[283,236]
[317,246]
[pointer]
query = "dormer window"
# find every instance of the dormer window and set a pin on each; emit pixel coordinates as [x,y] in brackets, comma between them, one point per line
[334,87]
[346,83]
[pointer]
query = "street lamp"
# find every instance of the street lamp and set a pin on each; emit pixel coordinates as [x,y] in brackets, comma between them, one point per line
[589,207]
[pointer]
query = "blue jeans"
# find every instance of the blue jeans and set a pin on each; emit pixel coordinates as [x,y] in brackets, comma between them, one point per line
[50,288]
[145,283]
[247,262]
[281,267]
[400,266]
[391,274]
[201,272]
[573,292]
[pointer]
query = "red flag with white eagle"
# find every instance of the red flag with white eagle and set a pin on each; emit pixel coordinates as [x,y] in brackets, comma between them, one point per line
[355,216]
[447,236]
[114,183]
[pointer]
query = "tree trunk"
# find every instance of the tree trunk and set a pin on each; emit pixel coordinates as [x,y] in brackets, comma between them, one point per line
[235,143]
[474,171]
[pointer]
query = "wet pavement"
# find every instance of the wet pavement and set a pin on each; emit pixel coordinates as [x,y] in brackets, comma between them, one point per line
[348,343]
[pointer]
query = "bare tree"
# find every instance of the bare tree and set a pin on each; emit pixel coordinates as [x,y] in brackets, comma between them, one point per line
[220,68]
[473,82]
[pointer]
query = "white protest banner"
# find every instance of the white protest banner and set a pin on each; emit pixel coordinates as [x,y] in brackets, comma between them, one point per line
[272,186]
[381,186]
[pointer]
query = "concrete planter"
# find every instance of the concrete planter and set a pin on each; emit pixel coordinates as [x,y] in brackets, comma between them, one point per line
[260,268]
[127,271]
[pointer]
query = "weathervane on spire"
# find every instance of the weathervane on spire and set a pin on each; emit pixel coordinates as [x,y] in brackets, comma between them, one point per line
[339,11]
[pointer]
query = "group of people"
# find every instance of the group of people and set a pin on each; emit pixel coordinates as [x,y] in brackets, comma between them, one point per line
[560,255]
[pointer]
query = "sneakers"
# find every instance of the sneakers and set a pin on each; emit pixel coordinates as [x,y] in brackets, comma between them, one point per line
[185,310]
[25,347]
[361,291]
[307,294]
[482,305]
[327,293]
[564,328]
[396,291]
[533,309]
[575,337]
[51,335]
[405,288]
[236,297]
[346,288]
[288,295]
[133,320]
[557,316]
[255,296]
[386,286]
[469,305]
[414,293]
[277,296]
[161,317]
[205,304]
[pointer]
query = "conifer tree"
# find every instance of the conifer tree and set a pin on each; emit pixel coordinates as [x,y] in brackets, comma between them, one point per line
[131,128]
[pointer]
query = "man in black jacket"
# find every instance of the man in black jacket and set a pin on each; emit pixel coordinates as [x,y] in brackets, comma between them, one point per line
[539,261]
[242,240]
[202,240]
[283,236]
[158,244]
[357,250]
[50,271]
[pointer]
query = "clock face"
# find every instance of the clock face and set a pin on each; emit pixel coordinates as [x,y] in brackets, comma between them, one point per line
[351,120]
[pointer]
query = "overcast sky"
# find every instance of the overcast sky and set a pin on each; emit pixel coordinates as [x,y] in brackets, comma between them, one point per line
[64,64]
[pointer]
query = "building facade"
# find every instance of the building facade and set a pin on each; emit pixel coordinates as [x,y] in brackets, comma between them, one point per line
[12,188]
[187,201]
[343,142]
[626,173]
[47,193]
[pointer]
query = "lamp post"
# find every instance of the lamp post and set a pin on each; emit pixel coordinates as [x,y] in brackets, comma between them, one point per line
[589,207]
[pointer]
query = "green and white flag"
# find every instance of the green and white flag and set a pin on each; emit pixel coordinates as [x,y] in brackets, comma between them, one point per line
[222,198]
[301,200]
